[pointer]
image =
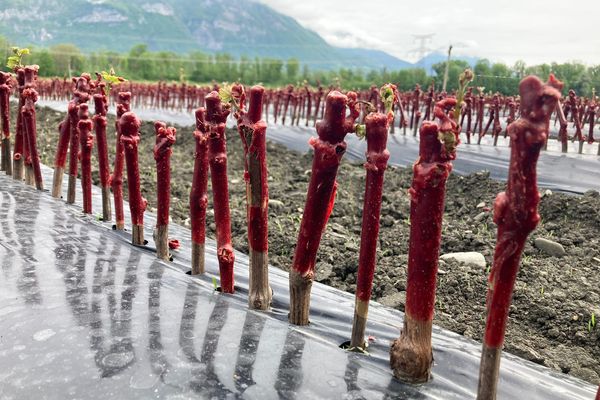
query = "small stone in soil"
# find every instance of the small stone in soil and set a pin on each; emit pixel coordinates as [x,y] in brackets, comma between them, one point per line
[550,247]
[480,216]
[468,257]
[547,192]
[275,203]
[554,333]
[394,300]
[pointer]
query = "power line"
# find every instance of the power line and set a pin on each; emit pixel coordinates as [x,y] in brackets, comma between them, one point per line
[498,77]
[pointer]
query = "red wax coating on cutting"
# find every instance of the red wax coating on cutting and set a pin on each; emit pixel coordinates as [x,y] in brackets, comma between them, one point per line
[74,140]
[29,78]
[515,210]
[427,192]
[174,244]
[165,138]
[18,149]
[86,138]
[4,103]
[598,394]
[255,152]
[377,125]
[64,129]
[29,125]
[101,108]
[198,195]
[217,159]
[82,86]
[117,178]
[591,118]
[563,135]
[497,128]
[329,148]
[129,127]
[80,95]
[572,100]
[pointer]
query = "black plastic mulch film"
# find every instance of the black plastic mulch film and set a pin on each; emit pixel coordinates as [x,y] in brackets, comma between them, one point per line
[570,172]
[85,315]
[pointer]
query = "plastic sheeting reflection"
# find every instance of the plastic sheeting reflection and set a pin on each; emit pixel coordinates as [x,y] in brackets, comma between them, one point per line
[109,320]
[562,172]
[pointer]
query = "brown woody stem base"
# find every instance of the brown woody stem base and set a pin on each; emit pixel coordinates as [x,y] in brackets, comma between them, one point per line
[57,181]
[29,176]
[6,156]
[71,189]
[359,325]
[299,297]
[18,169]
[106,207]
[137,235]
[162,242]
[39,184]
[259,294]
[197,258]
[411,355]
[488,373]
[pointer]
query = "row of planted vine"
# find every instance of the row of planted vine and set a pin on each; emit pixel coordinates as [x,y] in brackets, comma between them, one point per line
[483,114]
[411,356]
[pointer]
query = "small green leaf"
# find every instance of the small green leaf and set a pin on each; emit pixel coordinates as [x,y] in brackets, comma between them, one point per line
[214,282]
[225,94]
[13,62]
[111,78]
[592,323]
[361,131]
[387,96]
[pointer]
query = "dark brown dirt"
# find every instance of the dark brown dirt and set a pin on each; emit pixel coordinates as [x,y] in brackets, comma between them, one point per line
[554,298]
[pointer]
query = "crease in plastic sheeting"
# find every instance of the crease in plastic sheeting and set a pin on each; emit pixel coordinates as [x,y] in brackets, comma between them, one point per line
[84,313]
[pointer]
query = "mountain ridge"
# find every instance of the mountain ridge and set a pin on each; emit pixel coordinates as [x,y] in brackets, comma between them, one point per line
[237,27]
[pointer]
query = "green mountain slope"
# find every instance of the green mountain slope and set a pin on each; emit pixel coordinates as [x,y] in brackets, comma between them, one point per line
[238,27]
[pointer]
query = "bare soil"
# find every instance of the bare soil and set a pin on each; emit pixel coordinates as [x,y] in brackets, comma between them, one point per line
[554,298]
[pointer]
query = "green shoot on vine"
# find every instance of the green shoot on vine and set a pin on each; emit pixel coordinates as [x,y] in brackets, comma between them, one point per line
[360,130]
[463,82]
[14,62]
[111,78]
[226,95]
[388,97]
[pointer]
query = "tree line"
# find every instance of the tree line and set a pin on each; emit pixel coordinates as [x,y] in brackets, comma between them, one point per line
[140,63]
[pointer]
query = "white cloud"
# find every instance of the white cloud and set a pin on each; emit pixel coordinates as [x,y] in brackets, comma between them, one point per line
[553,30]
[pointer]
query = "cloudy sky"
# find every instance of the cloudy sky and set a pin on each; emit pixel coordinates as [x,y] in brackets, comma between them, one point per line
[506,30]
